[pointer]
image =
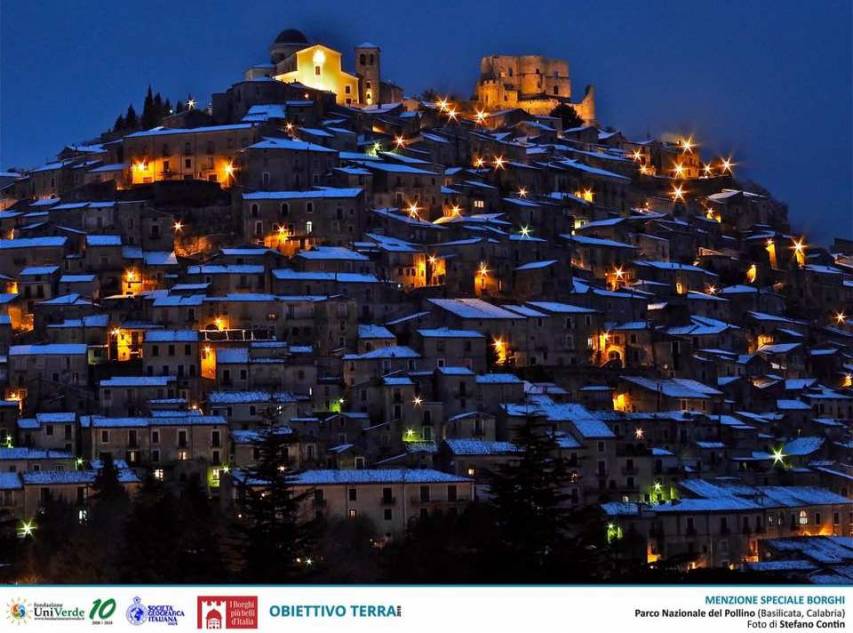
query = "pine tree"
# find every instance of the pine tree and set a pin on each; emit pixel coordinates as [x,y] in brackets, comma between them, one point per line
[119,124]
[8,546]
[198,553]
[568,115]
[57,520]
[151,536]
[530,503]
[101,541]
[273,534]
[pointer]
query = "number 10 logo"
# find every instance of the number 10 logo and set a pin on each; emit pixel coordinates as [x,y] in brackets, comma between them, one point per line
[102,609]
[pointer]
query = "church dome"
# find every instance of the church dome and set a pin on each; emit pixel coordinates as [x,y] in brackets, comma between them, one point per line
[291,36]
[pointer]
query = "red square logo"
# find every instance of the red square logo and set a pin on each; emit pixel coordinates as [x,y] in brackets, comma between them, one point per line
[227,612]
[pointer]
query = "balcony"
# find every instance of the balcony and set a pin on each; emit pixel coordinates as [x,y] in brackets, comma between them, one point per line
[387,501]
[438,503]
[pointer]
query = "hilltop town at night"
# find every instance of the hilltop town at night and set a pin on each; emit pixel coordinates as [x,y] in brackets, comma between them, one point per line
[316,328]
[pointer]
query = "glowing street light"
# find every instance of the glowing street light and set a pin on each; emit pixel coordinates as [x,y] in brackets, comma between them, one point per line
[500,161]
[778,457]
[501,351]
[687,144]
[840,317]
[481,116]
[800,251]
[399,141]
[191,104]
[442,104]
[637,155]
[678,170]
[525,231]
[178,226]
[417,401]
[484,270]
[288,126]
[452,114]
[726,165]
[413,211]
[639,433]
[26,529]
[706,170]
[479,162]
[455,209]
[677,193]
[522,192]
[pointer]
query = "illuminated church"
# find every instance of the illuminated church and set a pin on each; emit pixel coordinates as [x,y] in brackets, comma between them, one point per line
[293,59]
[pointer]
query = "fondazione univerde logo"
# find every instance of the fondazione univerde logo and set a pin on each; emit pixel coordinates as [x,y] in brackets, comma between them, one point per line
[138,613]
[227,612]
[20,611]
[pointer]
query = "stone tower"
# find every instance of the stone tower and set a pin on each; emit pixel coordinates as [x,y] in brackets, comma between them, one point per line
[367,68]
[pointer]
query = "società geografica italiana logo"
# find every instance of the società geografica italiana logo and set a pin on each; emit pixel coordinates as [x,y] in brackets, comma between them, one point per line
[18,611]
[139,613]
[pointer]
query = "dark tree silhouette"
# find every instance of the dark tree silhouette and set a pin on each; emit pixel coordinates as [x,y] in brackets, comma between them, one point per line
[274,535]
[568,115]
[531,504]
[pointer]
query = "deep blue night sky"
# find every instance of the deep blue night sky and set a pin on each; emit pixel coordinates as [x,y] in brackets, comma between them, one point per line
[768,80]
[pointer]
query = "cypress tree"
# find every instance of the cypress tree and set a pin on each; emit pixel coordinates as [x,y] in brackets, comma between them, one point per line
[131,120]
[149,113]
